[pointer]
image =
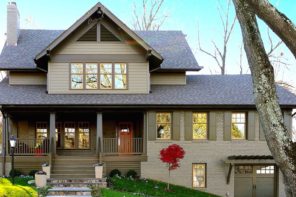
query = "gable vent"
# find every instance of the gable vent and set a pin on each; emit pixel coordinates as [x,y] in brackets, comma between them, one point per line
[106,35]
[90,35]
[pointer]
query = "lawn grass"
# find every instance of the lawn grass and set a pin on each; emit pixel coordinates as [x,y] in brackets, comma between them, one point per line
[154,188]
[20,188]
[106,192]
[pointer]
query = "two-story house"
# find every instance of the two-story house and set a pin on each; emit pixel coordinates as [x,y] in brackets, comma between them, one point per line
[101,92]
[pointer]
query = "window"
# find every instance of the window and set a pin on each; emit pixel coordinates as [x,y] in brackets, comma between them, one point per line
[243,169]
[238,126]
[41,133]
[58,133]
[106,76]
[92,77]
[69,138]
[83,132]
[199,175]
[120,76]
[76,76]
[265,170]
[164,124]
[200,126]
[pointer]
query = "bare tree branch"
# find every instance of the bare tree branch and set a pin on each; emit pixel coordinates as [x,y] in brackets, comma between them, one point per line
[148,18]
[220,53]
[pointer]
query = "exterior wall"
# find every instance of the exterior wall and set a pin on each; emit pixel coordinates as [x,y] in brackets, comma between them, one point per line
[59,80]
[211,152]
[27,78]
[168,79]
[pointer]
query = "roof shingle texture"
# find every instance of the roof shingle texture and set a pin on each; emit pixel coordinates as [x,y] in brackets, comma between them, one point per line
[201,90]
[172,45]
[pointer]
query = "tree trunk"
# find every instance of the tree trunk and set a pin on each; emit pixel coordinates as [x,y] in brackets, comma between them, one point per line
[264,89]
[277,21]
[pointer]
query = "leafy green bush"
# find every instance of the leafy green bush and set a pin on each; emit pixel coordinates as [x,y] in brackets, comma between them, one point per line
[4,181]
[131,173]
[114,172]
[32,173]
[7,189]
[15,172]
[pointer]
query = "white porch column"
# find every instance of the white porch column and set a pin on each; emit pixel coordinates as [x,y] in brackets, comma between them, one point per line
[99,138]
[52,136]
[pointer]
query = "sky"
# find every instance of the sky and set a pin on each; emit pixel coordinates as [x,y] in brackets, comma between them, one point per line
[189,16]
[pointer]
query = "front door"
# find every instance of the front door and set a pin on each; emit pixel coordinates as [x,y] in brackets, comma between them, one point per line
[125,134]
[254,181]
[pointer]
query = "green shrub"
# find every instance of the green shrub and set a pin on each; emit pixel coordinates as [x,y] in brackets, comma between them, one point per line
[15,172]
[17,191]
[4,181]
[32,173]
[114,172]
[131,173]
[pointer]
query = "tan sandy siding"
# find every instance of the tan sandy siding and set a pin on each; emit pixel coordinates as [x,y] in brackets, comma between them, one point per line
[168,79]
[59,80]
[97,48]
[27,78]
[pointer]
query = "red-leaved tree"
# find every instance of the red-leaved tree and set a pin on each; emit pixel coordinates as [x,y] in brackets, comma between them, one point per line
[172,156]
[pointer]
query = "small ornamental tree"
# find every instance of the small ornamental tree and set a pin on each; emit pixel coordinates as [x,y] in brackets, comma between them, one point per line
[172,156]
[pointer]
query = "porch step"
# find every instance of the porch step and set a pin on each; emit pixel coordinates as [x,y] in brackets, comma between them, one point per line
[74,166]
[66,191]
[74,187]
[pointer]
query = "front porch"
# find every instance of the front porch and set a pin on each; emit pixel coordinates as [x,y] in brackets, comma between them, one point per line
[112,137]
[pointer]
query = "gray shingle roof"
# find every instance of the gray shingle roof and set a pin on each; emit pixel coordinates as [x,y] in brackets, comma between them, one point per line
[30,43]
[201,90]
[172,45]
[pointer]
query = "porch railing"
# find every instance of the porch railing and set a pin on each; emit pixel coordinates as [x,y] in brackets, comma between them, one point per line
[122,146]
[31,147]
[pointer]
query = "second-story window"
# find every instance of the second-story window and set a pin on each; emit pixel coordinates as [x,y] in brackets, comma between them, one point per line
[93,76]
[200,126]
[238,126]
[76,76]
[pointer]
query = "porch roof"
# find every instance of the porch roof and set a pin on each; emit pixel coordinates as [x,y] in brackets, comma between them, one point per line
[201,90]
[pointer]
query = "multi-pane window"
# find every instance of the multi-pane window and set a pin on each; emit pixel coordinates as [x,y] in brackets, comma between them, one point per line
[91,76]
[41,133]
[238,126]
[106,76]
[120,77]
[83,132]
[265,170]
[164,125]
[199,126]
[199,175]
[69,136]
[77,76]
[243,169]
[98,76]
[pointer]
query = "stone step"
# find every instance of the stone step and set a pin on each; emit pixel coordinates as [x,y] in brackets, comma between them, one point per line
[73,175]
[66,191]
[76,180]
